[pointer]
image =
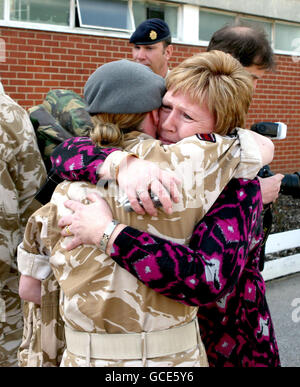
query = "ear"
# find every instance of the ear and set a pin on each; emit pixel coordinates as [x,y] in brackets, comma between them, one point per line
[169,51]
[155,117]
[150,123]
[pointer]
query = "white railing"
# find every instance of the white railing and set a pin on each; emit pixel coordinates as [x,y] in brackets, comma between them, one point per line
[284,265]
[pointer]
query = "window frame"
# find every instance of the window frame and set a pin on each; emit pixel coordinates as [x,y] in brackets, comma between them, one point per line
[241,16]
[182,24]
[87,26]
[285,52]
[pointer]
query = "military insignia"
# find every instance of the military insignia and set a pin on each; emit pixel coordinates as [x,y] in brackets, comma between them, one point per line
[206,137]
[153,35]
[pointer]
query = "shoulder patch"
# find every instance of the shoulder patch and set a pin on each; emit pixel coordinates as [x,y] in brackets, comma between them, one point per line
[210,137]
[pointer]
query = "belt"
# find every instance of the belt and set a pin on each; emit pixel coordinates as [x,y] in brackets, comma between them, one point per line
[132,345]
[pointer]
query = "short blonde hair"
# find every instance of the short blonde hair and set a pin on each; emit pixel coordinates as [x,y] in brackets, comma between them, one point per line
[108,127]
[219,80]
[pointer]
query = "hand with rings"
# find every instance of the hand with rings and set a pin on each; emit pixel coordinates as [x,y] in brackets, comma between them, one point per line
[140,191]
[67,231]
[140,178]
[87,227]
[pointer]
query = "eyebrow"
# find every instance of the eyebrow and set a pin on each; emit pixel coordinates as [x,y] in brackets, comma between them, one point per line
[182,108]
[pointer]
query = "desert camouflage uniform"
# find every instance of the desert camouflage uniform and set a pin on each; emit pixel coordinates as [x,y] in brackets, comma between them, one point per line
[107,299]
[21,174]
[62,115]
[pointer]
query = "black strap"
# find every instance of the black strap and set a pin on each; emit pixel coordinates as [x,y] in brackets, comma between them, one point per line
[44,194]
[267,226]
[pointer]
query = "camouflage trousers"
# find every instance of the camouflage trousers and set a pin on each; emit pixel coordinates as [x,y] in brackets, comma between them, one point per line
[11,330]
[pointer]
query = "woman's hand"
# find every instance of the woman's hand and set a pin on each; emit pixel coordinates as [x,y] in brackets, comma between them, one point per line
[138,177]
[270,187]
[88,221]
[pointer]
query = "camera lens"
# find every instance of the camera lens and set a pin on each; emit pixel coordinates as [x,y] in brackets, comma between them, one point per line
[290,185]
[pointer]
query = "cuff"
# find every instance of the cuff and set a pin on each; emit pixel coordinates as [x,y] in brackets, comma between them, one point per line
[33,265]
[251,159]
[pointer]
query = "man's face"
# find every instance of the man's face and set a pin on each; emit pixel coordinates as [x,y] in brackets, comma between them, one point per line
[256,72]
[180,117]
[155,56]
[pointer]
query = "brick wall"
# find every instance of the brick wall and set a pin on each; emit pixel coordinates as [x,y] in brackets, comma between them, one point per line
[38,61]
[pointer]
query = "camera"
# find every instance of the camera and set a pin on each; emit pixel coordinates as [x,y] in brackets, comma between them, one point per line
[290,184]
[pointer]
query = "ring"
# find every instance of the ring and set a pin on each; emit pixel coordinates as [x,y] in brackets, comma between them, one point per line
[151,181]
[139,191]
[67,230]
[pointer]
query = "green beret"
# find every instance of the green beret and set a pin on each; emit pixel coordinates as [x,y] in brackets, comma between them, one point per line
[151,31]
[123,87]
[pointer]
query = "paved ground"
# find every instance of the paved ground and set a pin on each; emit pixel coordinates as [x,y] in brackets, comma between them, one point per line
[283,296]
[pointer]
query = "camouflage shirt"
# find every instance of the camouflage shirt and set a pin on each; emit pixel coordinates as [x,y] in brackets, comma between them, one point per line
[21,174]
[107,289]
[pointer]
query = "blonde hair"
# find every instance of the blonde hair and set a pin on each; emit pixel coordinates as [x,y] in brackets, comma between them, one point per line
[219,80]
[108,127]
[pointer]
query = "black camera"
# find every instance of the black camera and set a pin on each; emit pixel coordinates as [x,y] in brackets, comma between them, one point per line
[290,184]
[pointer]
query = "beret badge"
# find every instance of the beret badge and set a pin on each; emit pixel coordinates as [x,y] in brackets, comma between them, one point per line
[153,35]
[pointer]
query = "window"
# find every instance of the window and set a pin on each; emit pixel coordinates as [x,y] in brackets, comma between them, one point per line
[209,22]
[143,10]
[36,11]
[267,26]
[287,37]
[113,14]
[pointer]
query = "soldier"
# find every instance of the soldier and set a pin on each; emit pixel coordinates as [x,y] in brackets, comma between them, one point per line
[62,115]
[120,290]
[152,45]
[21,173]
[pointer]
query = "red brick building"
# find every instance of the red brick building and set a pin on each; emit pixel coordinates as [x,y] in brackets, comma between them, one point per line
[38,60]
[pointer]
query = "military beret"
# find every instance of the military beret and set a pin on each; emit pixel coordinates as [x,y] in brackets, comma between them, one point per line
[123,87]
[151,31]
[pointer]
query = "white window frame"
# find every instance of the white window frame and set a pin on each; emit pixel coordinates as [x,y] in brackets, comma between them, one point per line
[259,19]
[204,43]
[71,28]
[237,16]
[284,52]
[108,28]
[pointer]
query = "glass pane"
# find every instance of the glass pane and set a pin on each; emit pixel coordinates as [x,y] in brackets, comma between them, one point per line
[104,13]
[1,9]
[265,25]
[287,37]
[46,11]
[143,10]
[209,22]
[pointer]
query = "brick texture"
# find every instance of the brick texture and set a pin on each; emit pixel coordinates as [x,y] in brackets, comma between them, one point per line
[38,61]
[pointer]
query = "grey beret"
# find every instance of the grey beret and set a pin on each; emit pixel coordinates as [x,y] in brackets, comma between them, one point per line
[123,87]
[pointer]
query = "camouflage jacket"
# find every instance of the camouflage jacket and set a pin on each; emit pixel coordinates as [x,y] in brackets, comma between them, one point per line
[21,174]
[62,115]
[221,158]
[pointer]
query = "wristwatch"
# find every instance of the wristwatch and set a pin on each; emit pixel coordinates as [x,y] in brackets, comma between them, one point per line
[107,234]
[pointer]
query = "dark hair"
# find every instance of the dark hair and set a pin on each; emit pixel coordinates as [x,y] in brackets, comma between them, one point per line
[247,43]
[167,42]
